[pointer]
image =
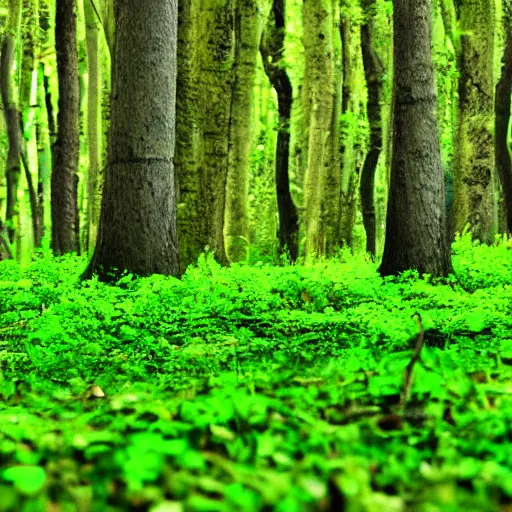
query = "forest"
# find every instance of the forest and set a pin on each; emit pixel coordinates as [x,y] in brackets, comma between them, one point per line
[255,255]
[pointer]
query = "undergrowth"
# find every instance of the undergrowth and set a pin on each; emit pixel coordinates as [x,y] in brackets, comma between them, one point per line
[256,388]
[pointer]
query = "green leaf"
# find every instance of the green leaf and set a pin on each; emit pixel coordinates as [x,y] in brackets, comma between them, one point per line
[26,479]
[476,321]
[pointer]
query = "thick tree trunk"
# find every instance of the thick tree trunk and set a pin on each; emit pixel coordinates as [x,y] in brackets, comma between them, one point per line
[94,125]
[415,234]
[272,48]
[65,227]
[373,72]
[502,107]
[204,124]
[13,169]
[216,76]
[137,231]
[321,183]
[250,16]
[474,176]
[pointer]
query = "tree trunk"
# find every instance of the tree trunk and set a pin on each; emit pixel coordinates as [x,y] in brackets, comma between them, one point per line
[204,124]
[272,48]
[65,228]
[43,155]
[502,107]
[45,125]
[94,125]
[415,234]
[373,72]
[474,176]
[348,146]
[321,183]
[137,230]
[11,113]
[192,213]
[250,16]
[28,107]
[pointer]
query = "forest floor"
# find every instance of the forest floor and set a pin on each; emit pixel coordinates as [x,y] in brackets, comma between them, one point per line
[257,388]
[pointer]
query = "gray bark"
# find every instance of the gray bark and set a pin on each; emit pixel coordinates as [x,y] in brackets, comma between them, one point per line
[137,231]
[66,148]
[415,235]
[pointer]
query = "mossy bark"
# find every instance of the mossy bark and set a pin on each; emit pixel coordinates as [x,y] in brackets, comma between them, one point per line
[94,123]
[415,234]
[250,16]
[351,112]
[192,222]
[205,76]
[272,48]
[474,175]
[137,230]
[11,113]
[321,183]
[65,225]
[502,123]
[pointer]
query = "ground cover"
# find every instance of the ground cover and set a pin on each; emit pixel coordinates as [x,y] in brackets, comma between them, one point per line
[257,388]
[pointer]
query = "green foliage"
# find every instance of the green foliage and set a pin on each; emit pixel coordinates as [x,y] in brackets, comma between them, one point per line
[479,266]
[256,388]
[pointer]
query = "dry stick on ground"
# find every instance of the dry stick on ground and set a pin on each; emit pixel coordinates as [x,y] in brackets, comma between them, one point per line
[420,340]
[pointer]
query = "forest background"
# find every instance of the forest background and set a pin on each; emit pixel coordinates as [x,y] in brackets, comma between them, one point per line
[283,127]
[326,186]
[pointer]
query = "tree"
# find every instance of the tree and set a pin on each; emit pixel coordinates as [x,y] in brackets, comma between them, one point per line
[349,144]
[250,16]
[94,125]
[502,107]
[272,48]
[373,71]
[28,107]
[416,236]
[66,148]
[45,120]
[322,180]
[206,54]
[11,114]
[474,174]
[137,229]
